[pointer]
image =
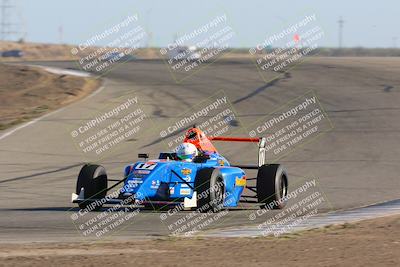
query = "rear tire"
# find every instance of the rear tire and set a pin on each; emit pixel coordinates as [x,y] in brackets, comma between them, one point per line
[210,188]
[93,178]
[272,186]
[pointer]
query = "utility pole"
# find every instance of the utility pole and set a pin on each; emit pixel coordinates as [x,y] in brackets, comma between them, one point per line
[394,39]
[341,22]
[6,24]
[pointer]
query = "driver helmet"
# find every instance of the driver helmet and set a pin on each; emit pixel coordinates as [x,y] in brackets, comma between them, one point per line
[186,152]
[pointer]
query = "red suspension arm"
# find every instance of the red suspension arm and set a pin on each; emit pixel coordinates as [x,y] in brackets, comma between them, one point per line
[234,139]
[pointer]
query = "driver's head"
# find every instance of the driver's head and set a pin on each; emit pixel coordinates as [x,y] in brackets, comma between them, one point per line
[186,152]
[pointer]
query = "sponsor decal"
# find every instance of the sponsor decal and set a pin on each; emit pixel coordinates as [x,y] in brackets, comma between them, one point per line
[186,171]
[187,179]
[171,190]
[185,191]
[141,172]
[146,166]
[155,184]
[133,183]
[240,181]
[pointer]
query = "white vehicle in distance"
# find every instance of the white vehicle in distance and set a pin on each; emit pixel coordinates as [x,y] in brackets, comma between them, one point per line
[184,52]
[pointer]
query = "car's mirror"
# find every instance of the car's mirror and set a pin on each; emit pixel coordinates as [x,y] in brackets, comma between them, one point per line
[143,156]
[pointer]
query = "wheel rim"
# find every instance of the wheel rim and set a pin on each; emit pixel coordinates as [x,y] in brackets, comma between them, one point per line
[219,192]
[283,186]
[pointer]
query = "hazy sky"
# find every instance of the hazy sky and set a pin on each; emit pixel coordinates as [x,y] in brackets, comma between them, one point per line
[367,23]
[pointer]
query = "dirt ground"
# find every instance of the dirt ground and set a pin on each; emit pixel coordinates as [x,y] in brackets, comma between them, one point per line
[27,92]
[56,52]
[367,243]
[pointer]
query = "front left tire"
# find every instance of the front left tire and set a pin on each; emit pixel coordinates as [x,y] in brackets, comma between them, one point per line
[93,179]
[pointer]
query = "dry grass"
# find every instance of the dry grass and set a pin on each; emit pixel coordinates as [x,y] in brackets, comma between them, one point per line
[28,92]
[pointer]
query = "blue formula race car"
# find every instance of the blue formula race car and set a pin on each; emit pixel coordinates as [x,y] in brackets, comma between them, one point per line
[205,181]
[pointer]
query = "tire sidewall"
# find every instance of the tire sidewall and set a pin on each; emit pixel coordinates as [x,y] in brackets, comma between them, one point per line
[216,178]
[205,180]
[269,184]
[281,174]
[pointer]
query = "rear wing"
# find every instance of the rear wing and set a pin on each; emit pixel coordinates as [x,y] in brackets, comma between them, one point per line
[262,141]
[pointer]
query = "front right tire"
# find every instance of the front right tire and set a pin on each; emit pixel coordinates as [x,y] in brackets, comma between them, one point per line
[272,186]
[210,188]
